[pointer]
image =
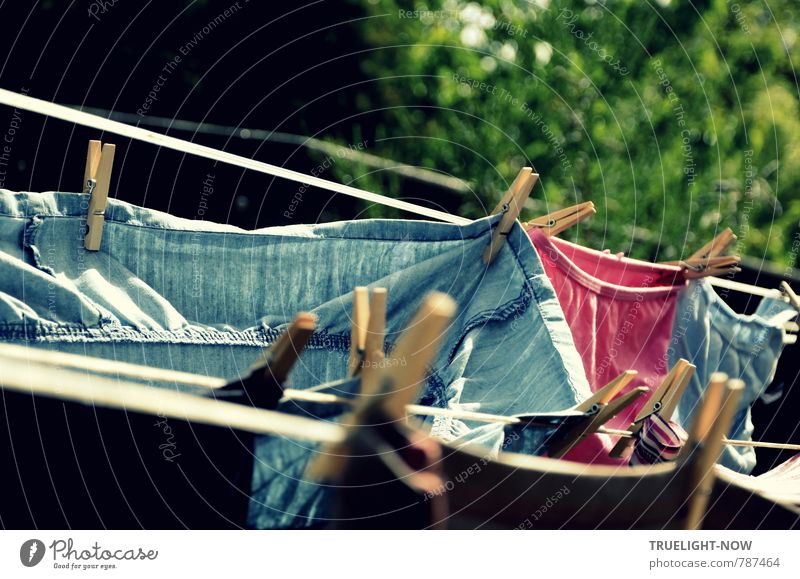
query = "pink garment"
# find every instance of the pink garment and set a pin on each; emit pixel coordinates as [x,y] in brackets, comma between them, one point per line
[620,311]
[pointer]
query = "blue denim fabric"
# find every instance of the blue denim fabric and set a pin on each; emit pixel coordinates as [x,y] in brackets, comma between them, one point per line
[206,298]
[716,339]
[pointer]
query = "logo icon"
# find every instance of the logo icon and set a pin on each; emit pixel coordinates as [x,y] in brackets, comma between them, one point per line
[32,552]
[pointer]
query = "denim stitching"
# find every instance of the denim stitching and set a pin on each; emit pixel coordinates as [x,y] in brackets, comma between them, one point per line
[43,331]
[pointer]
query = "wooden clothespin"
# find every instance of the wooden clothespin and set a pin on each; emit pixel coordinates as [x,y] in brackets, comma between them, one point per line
[716,247]
[608,392]
[263,385]
[663,401]
[603,407]
[374,358]
[701,451]
[414,352]
[400,384]
[791,296]
[97,181]
[554,223]
[791,328]
[367,336]
[716,266]
[709,261]
[670,400]
[510,205]
[358,330]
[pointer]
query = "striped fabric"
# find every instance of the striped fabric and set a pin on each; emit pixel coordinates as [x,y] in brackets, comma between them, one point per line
[659,440]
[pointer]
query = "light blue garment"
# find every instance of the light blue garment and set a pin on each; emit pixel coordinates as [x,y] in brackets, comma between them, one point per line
[202,297]
[709,334]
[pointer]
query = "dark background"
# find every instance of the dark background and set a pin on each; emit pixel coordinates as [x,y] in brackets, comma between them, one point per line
[268,66]
[262,67]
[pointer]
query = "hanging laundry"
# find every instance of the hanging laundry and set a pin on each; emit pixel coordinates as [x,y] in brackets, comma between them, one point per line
[207,298]
[708,333]
[781,484]
[620,312]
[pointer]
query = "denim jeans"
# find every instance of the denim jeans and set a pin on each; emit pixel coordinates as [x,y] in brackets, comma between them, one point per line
[206,298]
[716,339]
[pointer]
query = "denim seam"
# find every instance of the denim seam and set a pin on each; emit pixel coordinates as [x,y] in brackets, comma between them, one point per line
[496,315]
[38,331]
[43,331]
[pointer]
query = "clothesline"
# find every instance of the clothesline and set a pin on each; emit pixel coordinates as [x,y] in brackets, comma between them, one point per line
[746,288]
[67,114]
[421,174]
[113,367]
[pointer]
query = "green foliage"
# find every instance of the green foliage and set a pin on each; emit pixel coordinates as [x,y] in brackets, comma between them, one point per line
[649,109]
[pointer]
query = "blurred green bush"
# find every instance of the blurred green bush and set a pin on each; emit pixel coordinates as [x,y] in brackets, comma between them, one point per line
[675,118]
